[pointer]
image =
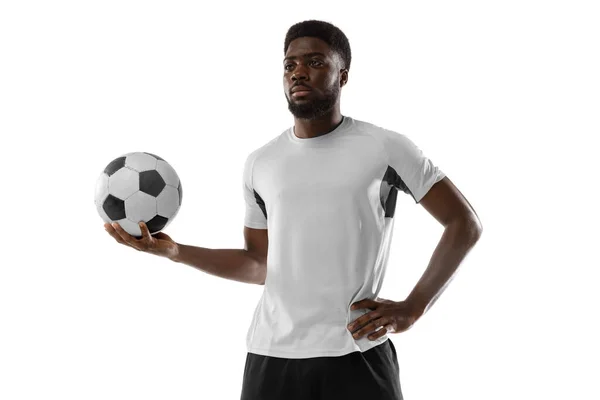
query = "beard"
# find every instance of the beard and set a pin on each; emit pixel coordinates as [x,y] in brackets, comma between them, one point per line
[315,108]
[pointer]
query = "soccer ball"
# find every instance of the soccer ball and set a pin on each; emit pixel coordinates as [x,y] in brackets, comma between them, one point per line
[138,187]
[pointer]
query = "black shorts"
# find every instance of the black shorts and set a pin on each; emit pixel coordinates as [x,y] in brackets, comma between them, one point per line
[373,375]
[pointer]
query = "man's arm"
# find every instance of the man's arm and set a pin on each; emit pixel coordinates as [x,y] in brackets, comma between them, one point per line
[462,230]
[248,265]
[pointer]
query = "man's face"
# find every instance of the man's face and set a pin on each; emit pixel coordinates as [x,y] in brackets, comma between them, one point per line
[313,75]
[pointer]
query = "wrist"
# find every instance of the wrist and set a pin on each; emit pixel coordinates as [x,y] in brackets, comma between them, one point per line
[417,305]
[174,253]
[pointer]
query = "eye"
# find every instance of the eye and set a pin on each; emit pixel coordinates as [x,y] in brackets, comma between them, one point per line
[288,67]
[316,63]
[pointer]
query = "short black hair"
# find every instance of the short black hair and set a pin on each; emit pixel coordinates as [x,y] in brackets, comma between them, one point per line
[327,32]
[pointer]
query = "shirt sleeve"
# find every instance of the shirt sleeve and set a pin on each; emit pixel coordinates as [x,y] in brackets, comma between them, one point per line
[416,172]
[254,216]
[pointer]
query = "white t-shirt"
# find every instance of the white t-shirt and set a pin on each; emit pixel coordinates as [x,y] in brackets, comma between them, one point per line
[328,204]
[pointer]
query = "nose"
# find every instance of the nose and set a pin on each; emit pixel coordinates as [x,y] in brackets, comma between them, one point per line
[299,75]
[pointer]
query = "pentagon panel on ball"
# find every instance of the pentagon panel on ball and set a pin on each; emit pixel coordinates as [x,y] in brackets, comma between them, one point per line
[138,187]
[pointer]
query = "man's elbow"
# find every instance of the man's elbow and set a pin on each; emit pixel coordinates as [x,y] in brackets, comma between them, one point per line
[470,227]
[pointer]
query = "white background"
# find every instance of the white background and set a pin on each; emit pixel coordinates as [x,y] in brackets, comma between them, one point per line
[503,96]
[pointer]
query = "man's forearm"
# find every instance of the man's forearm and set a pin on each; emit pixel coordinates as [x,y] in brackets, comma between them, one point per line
[238,265]
[458,239]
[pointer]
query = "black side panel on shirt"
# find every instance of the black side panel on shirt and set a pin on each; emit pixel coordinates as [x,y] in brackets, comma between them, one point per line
[391,178]
[260,203]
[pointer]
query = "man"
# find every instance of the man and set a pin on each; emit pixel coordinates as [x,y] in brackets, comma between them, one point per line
[325,191]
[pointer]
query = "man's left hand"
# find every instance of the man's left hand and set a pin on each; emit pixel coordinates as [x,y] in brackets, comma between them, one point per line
[390,316]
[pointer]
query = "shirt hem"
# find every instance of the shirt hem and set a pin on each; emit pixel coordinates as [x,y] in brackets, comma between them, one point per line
[314,353]
[424,190]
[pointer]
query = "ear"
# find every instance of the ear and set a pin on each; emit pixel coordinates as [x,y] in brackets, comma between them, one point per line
[343,77]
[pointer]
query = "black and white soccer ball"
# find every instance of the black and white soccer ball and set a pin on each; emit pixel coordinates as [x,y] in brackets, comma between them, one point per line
[138,187]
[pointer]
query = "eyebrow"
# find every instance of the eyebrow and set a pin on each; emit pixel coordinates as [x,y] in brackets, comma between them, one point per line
[316,53]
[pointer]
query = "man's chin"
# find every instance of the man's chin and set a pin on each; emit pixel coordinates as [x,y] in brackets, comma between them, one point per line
[301,100]
[306,108]
[303,112]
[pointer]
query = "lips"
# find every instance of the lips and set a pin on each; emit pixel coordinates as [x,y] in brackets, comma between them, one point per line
[301,88]
[300,91]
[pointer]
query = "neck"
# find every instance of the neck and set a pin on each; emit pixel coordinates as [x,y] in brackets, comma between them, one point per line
[306,129]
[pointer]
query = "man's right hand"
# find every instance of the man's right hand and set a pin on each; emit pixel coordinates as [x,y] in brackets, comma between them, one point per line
[159,244]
